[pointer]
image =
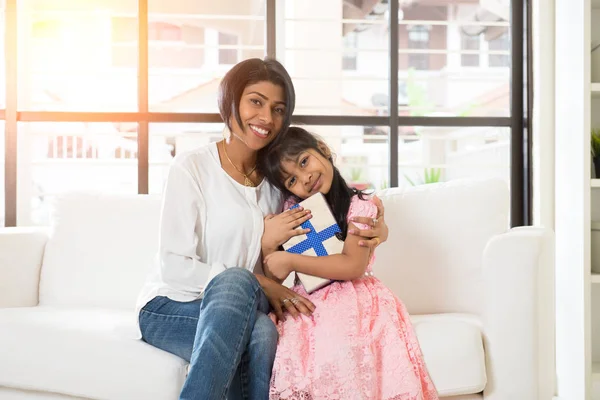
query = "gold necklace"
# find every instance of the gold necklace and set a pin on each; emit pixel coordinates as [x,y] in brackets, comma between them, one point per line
[247,181]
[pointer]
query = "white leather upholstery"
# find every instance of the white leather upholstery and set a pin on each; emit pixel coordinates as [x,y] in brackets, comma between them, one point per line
[518,317]
[448,341]
[21,252]
[437,233]
[81,352]
[104,244]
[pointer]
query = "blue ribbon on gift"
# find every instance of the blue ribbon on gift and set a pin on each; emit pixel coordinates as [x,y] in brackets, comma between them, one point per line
[314,239]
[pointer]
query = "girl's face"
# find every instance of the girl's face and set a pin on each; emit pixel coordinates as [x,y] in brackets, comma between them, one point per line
[262,111]
[308,174]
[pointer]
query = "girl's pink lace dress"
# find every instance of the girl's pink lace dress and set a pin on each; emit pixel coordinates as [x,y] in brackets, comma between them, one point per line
[359,344]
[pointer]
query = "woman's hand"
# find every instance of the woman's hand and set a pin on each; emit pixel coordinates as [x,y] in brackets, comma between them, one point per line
[378,232]
[283,299]
[278,265]
[280,228]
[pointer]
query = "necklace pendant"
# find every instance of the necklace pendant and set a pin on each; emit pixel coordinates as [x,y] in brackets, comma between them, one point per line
[248,182]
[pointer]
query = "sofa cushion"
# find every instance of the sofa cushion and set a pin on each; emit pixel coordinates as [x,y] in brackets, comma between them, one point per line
[81,352]
[100,249]
[67,351]
[452,346]
[437,233]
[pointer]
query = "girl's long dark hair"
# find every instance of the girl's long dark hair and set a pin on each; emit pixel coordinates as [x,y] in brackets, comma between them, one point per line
[290,144]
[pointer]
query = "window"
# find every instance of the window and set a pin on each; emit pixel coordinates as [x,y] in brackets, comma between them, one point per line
[67,156]
[469,42]
[349,58]
[227,56]
[501,43]
[84,78]
[418,39]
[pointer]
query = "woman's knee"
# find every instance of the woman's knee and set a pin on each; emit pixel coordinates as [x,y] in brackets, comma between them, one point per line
[233,280]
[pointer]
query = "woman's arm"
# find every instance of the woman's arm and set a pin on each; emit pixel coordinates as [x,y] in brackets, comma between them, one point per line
[281,297]
[348,265]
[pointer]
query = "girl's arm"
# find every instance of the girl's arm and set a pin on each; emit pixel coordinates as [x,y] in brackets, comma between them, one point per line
[280,228]
[349,265]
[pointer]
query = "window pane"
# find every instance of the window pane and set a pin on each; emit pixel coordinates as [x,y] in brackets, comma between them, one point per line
[361,152]
[168,139]
[453,58]
[434,154]
[203,40]
[338,58]
[58,157]
[67,56]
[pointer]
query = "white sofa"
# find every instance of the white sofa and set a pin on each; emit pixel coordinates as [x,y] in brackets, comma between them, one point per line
[479,293]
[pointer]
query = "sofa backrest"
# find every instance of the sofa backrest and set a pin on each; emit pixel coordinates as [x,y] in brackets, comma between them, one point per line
[437,234]
[101,247]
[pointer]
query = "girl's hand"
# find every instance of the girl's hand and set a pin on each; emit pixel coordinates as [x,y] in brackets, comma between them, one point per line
[280,228]
[278,265]
[378,232]
[283,299]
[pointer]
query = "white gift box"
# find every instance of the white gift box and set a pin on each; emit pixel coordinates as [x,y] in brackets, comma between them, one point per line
[320,241]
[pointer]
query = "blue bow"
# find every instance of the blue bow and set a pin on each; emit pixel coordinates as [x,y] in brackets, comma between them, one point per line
[314,239]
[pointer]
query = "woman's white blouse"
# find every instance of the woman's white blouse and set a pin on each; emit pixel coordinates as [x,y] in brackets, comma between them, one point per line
[209,223]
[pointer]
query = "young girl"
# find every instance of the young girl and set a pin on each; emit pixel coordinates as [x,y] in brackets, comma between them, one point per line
[359,343]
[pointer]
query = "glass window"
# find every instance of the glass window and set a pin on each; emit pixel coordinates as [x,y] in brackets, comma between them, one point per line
[338,58]
[349,57]
[195,46]
[438,154]
[432,39]
[58,157]
[500,44]
[418,39]
[227,56]
[66,54]
[469,43]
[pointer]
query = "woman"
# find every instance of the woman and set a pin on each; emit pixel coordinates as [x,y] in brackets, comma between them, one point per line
[207,301]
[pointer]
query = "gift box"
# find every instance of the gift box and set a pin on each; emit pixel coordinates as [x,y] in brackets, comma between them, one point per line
[320,241]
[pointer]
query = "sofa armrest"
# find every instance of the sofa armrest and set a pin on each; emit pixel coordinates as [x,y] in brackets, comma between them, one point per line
[21,253]
[518,316]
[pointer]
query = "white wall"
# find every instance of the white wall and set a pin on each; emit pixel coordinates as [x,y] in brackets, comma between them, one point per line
[572,191]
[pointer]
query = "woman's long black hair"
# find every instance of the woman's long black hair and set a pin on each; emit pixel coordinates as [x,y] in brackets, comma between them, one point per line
[289,146]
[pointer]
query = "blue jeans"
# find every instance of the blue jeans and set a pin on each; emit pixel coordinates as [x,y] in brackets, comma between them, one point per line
[226,336]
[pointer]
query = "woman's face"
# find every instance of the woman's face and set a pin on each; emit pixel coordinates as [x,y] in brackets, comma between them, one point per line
[308,174]
[262,111]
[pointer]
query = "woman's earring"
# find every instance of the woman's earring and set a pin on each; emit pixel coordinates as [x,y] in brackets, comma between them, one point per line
[227,135]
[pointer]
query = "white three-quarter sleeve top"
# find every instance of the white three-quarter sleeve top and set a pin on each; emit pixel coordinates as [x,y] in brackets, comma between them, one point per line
[209,222]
